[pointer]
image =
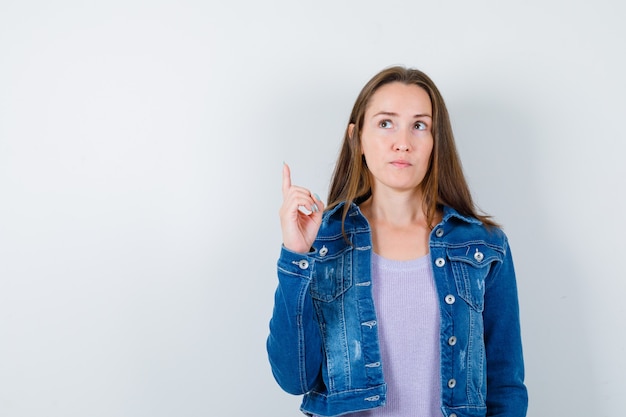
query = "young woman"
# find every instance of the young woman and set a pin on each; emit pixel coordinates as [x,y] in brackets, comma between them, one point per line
[399,298]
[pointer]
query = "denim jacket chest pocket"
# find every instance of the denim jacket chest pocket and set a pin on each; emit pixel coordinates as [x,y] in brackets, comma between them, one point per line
[471,264]
[331,275]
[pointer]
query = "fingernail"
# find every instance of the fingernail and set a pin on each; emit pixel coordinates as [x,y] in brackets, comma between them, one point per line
[315,208]
[317,197]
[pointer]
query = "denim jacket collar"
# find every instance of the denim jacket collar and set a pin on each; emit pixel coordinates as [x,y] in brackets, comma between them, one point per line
[448,213]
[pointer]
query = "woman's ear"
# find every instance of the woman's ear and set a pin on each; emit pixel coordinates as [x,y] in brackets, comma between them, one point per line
[350,130]
[353,142]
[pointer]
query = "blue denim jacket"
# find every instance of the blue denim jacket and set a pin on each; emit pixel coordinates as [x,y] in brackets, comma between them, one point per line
[323,339]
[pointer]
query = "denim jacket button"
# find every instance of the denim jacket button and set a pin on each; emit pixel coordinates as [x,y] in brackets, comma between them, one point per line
[450,299]
[452,340]
[452,383]
[479,256]
[439,232]
[440,262]
[303,264]
[452,415]
[323,251]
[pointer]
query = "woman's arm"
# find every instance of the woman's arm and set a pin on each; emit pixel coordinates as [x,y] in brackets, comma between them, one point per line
[294,344]
[506,393]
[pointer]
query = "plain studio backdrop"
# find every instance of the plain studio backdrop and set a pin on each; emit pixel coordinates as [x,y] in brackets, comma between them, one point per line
[141,148]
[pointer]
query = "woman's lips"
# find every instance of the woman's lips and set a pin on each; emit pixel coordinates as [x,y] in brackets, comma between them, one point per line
[401,164]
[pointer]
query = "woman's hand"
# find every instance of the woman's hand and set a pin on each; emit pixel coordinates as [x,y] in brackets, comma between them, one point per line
[300,215]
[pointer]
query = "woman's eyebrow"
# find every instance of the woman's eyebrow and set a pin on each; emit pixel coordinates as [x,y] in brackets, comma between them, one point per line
[393,114]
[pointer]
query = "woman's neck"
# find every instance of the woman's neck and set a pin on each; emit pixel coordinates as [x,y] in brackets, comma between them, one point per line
[395,208]
[399,225]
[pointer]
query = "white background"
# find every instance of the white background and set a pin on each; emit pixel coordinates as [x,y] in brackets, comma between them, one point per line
[141,147]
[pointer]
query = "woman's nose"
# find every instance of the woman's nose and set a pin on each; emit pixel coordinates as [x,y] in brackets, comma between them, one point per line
[402,143]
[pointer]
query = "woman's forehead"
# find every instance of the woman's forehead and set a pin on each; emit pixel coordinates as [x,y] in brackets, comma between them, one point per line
[401,99]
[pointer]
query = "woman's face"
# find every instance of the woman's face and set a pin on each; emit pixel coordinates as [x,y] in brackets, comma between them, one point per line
[396,137]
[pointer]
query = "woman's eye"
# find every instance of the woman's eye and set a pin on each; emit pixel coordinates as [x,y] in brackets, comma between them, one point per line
[385,124]
[420,126]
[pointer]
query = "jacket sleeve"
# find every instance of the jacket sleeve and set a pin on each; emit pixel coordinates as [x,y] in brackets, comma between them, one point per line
[294,344]
[506,393]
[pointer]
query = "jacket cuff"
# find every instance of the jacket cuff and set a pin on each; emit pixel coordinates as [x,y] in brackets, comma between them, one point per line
[293,263]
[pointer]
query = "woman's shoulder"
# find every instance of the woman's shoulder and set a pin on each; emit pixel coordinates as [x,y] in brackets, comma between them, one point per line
[461,227]
[333,225]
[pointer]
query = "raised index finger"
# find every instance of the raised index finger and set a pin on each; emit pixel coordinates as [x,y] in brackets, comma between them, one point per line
[286,179]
